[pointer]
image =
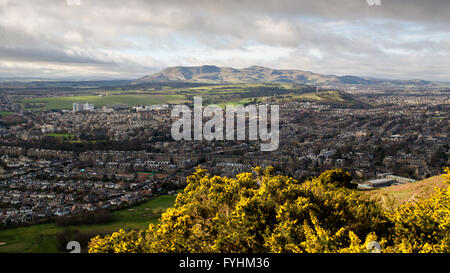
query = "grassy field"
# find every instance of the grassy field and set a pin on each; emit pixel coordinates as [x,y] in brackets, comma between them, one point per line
[41,238]
[223,105]
[393,196]
[61,136]
[215,94]
[212,94]
[332,97]
[3,114]
[59,103]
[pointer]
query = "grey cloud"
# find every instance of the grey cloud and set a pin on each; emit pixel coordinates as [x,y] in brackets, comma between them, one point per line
[43,55]
[123,36]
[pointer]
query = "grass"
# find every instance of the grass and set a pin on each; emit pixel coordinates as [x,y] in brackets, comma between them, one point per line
[41,238]
[240,102]
[59,103]
[329,96]
[3,114]
[61,136]
[212,94]
[393,196]
[217,94]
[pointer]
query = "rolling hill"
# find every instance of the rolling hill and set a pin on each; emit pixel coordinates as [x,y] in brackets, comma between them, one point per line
[393,196]
[258,74]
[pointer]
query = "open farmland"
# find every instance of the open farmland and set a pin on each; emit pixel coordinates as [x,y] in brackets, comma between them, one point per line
[211,94]
[59,103]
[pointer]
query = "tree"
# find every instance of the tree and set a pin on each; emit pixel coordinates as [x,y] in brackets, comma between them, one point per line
[437,158]
[338,177]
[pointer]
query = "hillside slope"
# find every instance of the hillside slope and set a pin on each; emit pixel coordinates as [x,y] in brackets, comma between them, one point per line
[393,196]
[258,74]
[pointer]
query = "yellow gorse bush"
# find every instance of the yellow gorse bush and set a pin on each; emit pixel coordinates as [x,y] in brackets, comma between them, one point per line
[423,226]
[263,212]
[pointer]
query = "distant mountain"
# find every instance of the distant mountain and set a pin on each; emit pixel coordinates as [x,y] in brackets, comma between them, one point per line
[258,74]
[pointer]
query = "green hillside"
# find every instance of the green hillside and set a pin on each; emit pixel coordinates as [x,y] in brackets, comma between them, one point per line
[259,74]
[42,238]
[326,97]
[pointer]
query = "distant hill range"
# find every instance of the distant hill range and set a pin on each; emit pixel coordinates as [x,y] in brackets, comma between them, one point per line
[258,74]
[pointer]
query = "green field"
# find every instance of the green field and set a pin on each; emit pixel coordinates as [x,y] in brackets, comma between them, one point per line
[41,238]
[59,103]
[61,137]
[2,114]
[215,94]
[221,94]
[332,97]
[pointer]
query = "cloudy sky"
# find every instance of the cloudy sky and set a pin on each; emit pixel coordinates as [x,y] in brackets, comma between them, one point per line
[400,39]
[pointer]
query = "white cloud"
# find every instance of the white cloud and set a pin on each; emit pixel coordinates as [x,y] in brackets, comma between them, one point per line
[133,38]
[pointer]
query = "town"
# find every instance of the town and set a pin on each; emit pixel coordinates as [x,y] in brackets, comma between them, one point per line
[60,162]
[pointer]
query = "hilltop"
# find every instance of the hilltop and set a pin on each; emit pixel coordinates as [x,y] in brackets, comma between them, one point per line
[259,74]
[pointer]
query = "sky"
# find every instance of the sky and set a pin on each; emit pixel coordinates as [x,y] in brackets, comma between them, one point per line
[399,39]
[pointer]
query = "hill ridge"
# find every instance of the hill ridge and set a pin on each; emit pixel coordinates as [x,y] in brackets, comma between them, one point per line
[261,74]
